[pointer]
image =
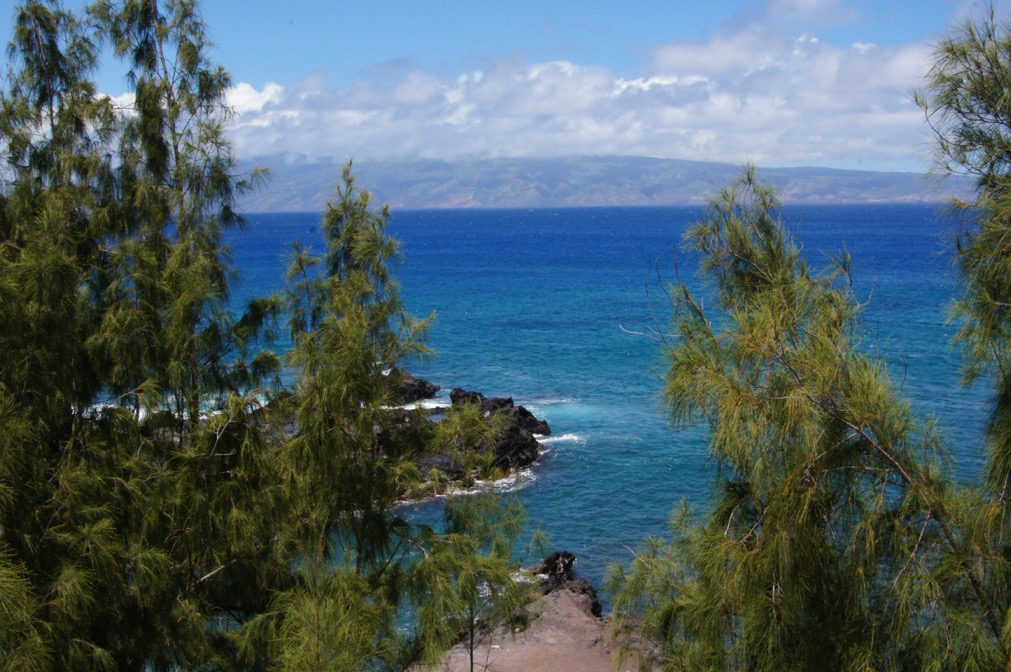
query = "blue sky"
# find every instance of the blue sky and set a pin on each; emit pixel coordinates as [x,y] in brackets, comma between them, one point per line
[267,40]
[777,82]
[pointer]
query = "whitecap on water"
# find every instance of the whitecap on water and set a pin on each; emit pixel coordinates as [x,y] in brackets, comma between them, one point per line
[511,483]
[507,484]
[562,438]
[552,401]
[421,404]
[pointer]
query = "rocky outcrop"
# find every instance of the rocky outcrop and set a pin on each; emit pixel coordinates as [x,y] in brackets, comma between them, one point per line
[556,574]
[415,389]
[504,405]
[556,570]
[460,396]
[518,446]
[516,449]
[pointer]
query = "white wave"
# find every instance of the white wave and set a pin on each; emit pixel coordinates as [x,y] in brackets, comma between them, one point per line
[552,401]
[430,403]
[422,404]
[94,411]
[511,483]
[563,438]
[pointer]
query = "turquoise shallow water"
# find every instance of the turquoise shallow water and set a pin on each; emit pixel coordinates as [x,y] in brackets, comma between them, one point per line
[530,304]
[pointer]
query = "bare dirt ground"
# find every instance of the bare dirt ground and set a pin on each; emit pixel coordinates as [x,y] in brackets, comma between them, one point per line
[566,637]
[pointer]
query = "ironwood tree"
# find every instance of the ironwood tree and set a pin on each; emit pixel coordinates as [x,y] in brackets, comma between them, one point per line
[835,539]
[833,533]
[166,502]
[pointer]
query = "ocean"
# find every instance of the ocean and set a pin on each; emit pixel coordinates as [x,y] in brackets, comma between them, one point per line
[539,305]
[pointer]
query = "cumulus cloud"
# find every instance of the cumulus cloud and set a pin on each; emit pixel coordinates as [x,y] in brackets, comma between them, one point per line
[747,95]
[245,99]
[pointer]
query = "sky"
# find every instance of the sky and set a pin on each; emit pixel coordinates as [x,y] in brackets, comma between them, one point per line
[774,82]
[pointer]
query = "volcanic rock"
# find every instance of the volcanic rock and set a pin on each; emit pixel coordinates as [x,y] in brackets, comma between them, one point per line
[461,396]
[414,389]
[516,449]
[556,574]
[504,405]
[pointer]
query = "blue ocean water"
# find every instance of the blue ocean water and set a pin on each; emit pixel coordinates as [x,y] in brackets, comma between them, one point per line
[531,304]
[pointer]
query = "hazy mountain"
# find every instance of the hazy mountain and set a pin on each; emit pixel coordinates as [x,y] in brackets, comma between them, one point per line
[574,181]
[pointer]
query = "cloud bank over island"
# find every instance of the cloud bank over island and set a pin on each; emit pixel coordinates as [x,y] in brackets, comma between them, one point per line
[747,93]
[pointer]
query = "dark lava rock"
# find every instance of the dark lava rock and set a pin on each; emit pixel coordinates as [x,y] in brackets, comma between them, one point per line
[558,575]
[497,405]
[529,421]
[584,587]
[414,389]
[558,568]
[504,405]
[441,463]
[461,396]
[516,449]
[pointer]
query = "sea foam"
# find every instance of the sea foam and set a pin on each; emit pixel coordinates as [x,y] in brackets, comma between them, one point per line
[562,438]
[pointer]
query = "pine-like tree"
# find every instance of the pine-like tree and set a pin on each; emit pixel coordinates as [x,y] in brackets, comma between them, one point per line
[470,581]
[834,541]
[965,101]
[159,509]
[54,556]
[178,175]
[143,544]
[347,464]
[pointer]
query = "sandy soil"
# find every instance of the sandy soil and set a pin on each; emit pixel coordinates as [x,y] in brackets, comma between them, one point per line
[566,637]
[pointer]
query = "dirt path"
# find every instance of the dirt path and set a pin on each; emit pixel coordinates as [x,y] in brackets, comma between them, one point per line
[565,638]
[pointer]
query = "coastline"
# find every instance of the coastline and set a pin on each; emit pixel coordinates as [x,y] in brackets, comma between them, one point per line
[509,455]
[564,633]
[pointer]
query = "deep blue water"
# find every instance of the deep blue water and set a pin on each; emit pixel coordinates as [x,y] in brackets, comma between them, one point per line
[530,304]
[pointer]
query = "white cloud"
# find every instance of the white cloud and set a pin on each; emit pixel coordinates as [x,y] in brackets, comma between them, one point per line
[123,101]
[245,99]
[750,95]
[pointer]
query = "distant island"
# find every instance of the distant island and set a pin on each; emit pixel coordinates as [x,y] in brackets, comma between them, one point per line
[298,184]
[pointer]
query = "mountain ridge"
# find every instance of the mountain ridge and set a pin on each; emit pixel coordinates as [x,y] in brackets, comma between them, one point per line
[302,185]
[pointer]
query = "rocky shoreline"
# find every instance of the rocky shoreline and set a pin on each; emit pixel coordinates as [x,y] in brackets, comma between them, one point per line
[565,628]
[515,447]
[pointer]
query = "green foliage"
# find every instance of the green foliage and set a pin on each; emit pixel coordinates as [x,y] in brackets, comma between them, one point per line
[469,582]
[177,194]
[164,502]
[834,541]
[468,439]
[349,330]
[21,645]
[331,624]
[965,100]
[362,566]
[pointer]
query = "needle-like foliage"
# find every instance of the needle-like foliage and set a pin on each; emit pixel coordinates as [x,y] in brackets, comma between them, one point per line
[966,99]
[165,503]
[834,541]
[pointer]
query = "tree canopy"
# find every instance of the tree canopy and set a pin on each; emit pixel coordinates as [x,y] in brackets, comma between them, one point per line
[836,540]
[165,501]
